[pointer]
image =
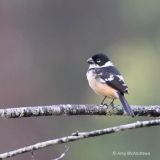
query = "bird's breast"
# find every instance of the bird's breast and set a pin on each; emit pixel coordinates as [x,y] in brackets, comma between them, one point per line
[99,86]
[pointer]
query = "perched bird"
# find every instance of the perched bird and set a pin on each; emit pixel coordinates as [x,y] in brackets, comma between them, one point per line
[104,78]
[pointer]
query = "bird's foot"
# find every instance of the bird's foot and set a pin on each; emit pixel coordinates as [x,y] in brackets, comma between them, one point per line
[104,104]
[109,110]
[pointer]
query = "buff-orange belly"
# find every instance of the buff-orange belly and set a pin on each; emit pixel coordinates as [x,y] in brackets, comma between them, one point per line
[101,88]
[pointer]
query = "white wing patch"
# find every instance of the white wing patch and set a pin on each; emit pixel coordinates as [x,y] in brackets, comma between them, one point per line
[111,78]
[120,77]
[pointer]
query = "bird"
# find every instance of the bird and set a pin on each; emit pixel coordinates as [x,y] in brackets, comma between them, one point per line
[106,80]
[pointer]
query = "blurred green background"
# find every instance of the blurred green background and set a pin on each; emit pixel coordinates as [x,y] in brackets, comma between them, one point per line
[44,45]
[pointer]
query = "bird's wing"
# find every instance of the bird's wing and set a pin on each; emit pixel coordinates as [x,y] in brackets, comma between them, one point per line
[112,77]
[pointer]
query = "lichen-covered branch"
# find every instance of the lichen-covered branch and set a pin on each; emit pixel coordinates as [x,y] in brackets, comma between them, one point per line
[81,135]
[76,109]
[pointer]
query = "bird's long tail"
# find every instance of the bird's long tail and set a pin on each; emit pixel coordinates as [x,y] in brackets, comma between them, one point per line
[125,104]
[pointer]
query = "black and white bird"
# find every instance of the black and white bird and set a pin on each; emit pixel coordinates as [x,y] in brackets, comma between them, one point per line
[104,78]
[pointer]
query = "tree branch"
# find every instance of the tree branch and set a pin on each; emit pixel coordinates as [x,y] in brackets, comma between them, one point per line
[81,135]
[76,109]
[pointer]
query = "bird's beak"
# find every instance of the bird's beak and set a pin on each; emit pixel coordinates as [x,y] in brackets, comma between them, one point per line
[90,61]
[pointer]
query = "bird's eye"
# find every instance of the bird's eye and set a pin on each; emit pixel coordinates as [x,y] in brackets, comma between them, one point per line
[98,60]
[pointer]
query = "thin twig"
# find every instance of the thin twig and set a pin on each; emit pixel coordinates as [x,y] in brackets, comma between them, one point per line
[63,154]
[32,155]
[81,135]
[76,109]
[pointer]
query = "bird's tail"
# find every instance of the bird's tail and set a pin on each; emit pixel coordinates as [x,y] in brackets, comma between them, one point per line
[125,104]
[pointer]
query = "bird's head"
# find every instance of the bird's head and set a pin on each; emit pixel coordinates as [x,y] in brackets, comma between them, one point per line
[99,59]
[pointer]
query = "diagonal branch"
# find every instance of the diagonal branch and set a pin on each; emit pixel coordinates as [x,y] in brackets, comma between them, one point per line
[81,135]
[76,109]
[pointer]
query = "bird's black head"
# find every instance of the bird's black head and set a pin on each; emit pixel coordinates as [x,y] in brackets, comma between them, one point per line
[99,59]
